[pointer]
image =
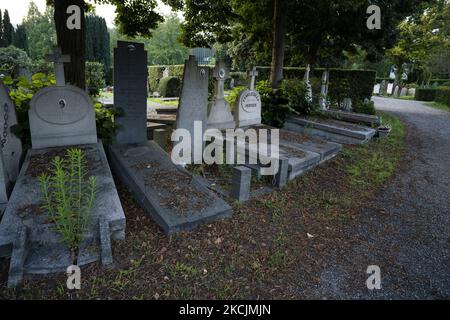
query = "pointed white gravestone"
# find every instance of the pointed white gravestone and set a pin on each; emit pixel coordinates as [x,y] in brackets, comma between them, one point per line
[309,96]
[324,90]
[220,116]
[248,110]
[58,60]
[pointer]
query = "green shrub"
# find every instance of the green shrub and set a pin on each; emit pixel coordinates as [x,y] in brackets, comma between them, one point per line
[366,107]
[240,79]
[176,70]
[233,96]
[68,197]
[296,94]
[275,106]
[170,87]
[95,77]
[104,119]
[13,59]
[425,94]
[443,95]
[155,73]
[438,82]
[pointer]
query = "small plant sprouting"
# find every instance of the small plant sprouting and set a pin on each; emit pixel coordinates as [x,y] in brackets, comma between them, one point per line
[68,196]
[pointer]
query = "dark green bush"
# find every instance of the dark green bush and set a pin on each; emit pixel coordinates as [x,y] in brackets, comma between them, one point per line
[155,73]
[366,107]
[275,106]
[95,77]
[176,71]
[170,87]
[438,82]
[443,95]
[425,94]
[296,95]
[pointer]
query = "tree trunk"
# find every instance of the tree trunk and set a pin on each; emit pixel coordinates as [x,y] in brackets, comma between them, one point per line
[71,42]
[279,34]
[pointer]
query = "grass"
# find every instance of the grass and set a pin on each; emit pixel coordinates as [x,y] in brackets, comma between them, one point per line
[165,103]
[439,106]
[407,98]
[272,247]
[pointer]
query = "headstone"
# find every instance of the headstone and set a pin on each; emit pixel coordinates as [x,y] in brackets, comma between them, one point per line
[404,92]
[58,59]
[347,104]
[60,116]
[248,111]
[383,89]
[309,95]
[324,90]
[396,91]
[11,146]
[377,89]
[390,88]
[241,183]
[193,104]
[166,72]
[412,92]
[130,91]
[220,116]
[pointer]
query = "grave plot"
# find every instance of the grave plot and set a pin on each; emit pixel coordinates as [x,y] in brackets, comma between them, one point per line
[61,118]
[334,130]
[353,117]
[175,199]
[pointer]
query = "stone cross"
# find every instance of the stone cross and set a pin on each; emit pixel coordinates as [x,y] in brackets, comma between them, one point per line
[308,70]
[221,74]
[59,59]
[253,74]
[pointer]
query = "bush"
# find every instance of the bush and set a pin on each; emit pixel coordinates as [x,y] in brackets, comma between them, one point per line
[366,107]
[95,77]
[296,94]
[233,96]
[155,73]
[170,87]
[13,59]
[438,82]
[240,79]
[443,95]
[425,94]
[104,119]
[275,106]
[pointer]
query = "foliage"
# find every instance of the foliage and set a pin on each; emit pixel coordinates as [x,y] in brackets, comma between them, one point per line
[443,95]
[13,59]
[95,77]
[40,29]
[366,107]
[426,94]
[21,93]
[97,43]
[155,74]
[68,196]
[106,127]
[7,30]
[170,87]
[233,96]
[20,39]
[275,106]
[296,93]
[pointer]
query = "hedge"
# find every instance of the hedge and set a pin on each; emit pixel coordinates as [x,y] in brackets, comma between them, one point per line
[170,87]
[439,82]
[443,95]
[155,73]
[425,94]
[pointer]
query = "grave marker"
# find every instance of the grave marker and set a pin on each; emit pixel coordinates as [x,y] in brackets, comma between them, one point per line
[248,109]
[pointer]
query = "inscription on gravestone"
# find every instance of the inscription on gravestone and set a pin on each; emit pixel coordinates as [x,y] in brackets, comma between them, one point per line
[130,91]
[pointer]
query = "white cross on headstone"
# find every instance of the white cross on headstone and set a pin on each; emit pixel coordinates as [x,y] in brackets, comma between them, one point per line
[58,59]
[253,74]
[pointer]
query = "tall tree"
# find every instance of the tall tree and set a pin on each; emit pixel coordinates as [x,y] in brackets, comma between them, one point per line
[8,30]
[1,30]
[20,39]
[98,41]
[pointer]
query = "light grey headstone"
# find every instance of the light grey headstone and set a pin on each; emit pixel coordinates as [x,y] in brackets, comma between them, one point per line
[309,94]
[241,183]
[130,91]
[61,116]
[220,116]
[248,109]
[193,104]
[347,104]
[253,74]
[376,89]
[404,92]
[166,72]
[412,92]
[11,146]
[396,91]
[390,88]
[324,90]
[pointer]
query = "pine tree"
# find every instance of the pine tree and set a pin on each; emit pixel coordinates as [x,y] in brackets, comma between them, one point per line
[8,30]
[20,39]
[1,30]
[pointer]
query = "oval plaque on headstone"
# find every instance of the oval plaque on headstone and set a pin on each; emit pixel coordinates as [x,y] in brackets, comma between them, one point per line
[250,101]
[61,105]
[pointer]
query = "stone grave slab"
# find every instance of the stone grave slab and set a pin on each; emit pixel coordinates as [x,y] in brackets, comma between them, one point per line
[43,251]
[354,117]
[175,200]
[390,88]
[334,130]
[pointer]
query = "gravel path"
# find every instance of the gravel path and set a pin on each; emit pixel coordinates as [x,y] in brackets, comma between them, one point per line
[406,230]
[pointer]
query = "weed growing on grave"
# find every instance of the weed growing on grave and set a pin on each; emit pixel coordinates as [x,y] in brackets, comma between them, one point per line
[68,196]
